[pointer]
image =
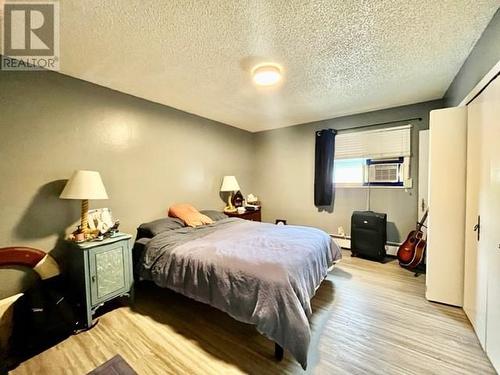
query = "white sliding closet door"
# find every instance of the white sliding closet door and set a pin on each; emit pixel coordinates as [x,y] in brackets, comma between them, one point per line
[475,264]
[490,118]
[484,117]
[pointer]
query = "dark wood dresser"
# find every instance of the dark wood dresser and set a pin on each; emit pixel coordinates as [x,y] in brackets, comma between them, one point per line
[248,215]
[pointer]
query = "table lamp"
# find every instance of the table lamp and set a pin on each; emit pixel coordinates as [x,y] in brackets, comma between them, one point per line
[84,185]
[230,184]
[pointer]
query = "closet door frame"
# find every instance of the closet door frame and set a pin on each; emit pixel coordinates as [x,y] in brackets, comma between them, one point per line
[423,175]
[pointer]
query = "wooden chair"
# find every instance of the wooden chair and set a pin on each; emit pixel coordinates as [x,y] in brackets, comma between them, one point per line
[37,260]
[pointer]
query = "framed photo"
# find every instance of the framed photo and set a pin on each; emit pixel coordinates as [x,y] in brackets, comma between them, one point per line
[100,219]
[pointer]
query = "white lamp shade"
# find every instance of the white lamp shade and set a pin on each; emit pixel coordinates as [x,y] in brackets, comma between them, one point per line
[84,185]
[229,183]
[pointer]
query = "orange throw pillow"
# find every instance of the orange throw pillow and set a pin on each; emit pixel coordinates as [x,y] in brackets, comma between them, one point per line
[190,215]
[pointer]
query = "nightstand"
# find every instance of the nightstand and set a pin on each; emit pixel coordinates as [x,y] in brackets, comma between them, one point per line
[99,271]
[248,215]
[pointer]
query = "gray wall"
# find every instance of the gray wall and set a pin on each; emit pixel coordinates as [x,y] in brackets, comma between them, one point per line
[484,55]
[285,174]
[149,155]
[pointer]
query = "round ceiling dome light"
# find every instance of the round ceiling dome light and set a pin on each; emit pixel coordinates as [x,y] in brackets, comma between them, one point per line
[266,75]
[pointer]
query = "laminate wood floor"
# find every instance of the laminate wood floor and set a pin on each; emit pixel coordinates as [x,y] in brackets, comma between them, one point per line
[369,318]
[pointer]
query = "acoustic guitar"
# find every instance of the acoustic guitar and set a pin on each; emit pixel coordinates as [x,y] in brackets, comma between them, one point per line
[411,252]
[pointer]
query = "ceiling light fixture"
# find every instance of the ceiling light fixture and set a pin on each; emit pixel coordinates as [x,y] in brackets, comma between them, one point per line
[266,75]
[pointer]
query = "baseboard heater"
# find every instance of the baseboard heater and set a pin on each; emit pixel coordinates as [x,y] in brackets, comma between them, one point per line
[345,243]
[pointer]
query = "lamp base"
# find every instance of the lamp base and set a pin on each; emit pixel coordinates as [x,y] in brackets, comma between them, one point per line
[230,207]
[84,222]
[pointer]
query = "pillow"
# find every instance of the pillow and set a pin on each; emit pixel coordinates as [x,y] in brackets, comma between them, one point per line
[151,229]
[190,215]
[214,215]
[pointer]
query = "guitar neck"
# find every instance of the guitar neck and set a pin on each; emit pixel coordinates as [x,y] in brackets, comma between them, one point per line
[422,221]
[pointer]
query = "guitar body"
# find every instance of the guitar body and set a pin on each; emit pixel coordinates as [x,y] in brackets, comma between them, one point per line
[411,252]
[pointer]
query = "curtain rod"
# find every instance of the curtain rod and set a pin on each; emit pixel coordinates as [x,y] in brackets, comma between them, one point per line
[380,123]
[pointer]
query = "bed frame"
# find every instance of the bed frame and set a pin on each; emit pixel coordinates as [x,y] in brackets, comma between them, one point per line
[136,252]
[278,352]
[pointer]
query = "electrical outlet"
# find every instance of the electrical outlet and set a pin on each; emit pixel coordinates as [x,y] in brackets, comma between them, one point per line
[340,231]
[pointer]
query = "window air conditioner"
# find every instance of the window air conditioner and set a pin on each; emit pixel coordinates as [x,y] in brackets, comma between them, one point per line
[384,173]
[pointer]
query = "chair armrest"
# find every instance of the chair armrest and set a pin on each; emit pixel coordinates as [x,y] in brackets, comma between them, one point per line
[38,260]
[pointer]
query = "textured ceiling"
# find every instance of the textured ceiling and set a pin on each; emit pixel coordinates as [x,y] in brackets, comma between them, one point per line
[339,56]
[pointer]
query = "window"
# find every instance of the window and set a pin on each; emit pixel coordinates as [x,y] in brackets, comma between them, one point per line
[375,157]
[349,171]
[371,172]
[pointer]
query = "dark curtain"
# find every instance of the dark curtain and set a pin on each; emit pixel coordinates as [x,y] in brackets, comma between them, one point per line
[323,167]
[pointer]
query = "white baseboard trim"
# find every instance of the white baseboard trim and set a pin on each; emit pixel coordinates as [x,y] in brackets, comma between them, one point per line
[345,243]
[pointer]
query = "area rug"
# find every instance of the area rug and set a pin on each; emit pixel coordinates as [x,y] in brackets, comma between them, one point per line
[115,366]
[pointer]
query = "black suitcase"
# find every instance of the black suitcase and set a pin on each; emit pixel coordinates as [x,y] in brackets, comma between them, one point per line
[368,234]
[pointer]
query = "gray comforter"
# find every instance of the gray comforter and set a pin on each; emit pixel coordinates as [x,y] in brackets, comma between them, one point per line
[258,273]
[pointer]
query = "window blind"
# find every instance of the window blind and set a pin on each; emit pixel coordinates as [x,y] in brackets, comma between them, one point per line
[374,144]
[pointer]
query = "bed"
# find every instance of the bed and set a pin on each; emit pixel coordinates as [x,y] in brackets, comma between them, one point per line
[258,273]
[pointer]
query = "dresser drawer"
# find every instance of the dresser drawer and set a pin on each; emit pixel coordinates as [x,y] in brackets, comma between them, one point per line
[252,215]
[248,215]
